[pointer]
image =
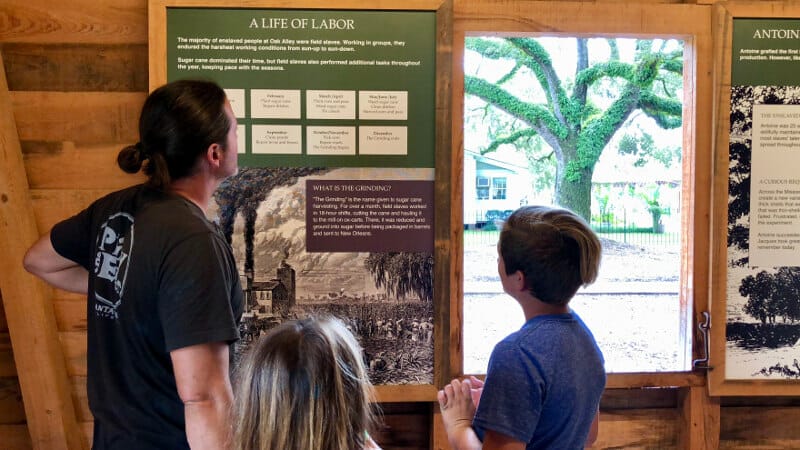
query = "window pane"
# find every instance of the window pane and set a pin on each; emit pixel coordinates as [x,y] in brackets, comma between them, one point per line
[624,177]
[499,188]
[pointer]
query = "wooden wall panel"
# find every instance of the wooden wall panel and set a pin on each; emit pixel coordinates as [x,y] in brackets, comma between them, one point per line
[70,313]
[7,367]
[73,344]
[12,411]
[51,206]
[754,427]
[15,437]
[31,321]
[63,166]
[75,21]
[104,117]
[76,67]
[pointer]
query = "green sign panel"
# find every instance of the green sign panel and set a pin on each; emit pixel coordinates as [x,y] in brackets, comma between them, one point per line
[766,52]
[313,88]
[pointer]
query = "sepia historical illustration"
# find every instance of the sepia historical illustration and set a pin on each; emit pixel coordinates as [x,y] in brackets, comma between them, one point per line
[385,298]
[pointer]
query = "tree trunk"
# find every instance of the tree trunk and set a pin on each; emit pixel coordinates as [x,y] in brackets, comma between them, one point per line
[575,195]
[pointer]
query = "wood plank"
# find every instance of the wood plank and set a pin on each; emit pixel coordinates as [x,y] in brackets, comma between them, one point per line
[760,425]
[7,366]
[614,399]
[438,434]
[87,429]
[76,67]
[699,419]
[30,317]
[52,206]
[101,117]
[70,314]
[74,347]
[580,18]
[405,426]
[760,444]
[12,411]
[654,379]
[81,399]
[62,165]
[456,195]
[75,21]
[642,428]
[3,323]
[15,437]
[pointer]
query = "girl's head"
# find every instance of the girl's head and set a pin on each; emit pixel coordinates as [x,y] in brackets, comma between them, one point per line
[303,386]
[178,123]
[555,250]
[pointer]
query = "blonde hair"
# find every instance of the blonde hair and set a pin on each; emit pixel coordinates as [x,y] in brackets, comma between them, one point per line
[555,249]
[303,386]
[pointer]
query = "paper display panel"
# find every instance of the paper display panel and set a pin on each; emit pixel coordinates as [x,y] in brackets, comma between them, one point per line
[331,105]
[277,139]
[383,105]
[383,140]
[275,103]
[775,186]
[331,140]
[236,97]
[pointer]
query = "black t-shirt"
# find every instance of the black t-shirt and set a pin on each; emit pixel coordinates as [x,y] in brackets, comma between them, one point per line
[161,277]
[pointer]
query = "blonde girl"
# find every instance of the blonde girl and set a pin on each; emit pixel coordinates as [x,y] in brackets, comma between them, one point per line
[304,386]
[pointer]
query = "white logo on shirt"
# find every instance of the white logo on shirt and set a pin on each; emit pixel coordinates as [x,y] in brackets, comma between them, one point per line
[114,244]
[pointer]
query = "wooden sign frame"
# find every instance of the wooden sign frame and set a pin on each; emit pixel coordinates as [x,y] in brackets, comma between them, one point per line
[724,15]
[157,22]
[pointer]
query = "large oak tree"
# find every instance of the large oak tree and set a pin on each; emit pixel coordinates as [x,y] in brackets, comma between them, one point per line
[574,127]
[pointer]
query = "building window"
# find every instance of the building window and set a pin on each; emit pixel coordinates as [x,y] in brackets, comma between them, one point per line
[499,188]
[482,188]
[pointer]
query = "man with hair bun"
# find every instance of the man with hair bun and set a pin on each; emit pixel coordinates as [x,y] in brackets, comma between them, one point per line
[163,293]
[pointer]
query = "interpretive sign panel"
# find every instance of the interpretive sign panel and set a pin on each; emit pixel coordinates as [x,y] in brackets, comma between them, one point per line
[366,79]
[761,271]
[333,208]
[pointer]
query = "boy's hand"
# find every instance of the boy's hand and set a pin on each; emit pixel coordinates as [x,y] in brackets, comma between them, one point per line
[476,390]
[455,402]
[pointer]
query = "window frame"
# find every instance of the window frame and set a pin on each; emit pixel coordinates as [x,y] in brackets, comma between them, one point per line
[498,190]
[688,22]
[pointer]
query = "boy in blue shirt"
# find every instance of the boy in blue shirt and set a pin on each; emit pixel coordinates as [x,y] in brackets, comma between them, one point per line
[544,381]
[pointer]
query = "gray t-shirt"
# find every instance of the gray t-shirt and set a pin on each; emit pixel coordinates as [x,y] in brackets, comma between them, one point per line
[543,384]
[161,277]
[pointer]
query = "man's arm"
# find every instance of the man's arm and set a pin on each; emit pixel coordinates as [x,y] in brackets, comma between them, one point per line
[204,386]
[43,261]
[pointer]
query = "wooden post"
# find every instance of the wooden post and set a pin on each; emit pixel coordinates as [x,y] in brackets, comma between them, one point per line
[29,312]
[438,435]
[700,419]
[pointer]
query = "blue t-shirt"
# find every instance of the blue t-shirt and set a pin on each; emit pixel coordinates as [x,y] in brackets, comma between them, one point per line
[543,384]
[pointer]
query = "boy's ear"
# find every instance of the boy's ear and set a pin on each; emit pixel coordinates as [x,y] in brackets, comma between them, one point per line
[517,280]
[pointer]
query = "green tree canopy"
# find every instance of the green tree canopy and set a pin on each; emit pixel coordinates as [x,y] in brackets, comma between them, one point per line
[576,117]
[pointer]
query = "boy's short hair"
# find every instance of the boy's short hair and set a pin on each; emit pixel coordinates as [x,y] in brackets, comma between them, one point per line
[554,249]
